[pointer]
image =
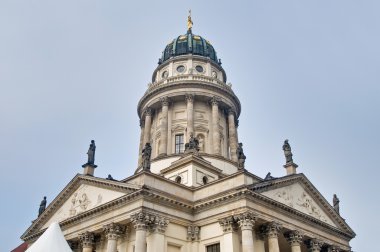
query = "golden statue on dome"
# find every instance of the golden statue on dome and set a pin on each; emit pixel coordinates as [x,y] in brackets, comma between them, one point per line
[189,22]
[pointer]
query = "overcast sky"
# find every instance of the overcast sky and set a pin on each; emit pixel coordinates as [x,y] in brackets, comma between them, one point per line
[74,70]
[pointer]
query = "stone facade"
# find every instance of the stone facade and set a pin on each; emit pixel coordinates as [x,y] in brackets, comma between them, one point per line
[192,201]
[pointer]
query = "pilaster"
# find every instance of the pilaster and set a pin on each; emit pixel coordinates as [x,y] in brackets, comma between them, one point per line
[215,124]
[230,238]
[190,114]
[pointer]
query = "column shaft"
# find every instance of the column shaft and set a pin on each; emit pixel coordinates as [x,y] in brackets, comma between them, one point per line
[157,243]
[232,135]
[141,141]
[271,231]
[190,115]
[87,249]
[273,244]
[112,245]
[230,242]
[164,126]
[140,242]
[148,126]
[247,240]
[215,126]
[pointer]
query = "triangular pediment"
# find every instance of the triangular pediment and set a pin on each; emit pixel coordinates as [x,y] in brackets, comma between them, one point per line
[298,193]
[297,197]
[82,194]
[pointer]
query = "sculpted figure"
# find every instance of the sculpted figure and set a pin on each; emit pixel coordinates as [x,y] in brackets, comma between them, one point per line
[336,203]
[288,152]
[91,153]
[240,155]
[42,206]
[193,143]
[146,153]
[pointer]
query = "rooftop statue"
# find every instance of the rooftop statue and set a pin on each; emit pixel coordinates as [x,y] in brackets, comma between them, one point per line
[189,22]
[91,153]
[240,155]
[146,153]
[192,145]
[288,152]
[42,206]
[336,203]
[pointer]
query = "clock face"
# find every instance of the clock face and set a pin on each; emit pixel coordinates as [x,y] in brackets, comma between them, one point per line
[199,69]
[165,74]
[180,69]
[214,74]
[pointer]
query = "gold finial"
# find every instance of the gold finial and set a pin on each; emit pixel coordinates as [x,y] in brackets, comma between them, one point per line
[189,22]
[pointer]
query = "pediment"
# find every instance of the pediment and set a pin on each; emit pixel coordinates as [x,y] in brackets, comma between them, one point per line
[82,194]
[296,196]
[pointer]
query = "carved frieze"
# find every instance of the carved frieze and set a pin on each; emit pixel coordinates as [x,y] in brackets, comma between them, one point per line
[296,197]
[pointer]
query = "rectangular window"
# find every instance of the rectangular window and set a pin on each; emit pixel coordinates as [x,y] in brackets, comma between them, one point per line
[213,248]
[179,145]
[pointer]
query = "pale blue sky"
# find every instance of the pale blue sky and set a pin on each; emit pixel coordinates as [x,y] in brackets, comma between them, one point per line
[74,70]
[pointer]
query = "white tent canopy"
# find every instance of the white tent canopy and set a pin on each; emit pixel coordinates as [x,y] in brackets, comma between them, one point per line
[51,240]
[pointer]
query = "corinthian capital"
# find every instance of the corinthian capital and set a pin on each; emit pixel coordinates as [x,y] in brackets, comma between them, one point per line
[314,245]
[164,101]
[246,220]
[141,220]
[159,224]
[87,239]
[228,224]
[189,98]
[148,111]
[294,237]
[271,229]
[215,100]
[113,230]
[193,233]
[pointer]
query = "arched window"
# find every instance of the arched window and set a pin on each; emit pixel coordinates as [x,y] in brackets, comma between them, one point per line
[178,179]
[205,180]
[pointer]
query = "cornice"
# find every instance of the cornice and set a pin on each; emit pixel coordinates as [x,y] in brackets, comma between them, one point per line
[188,83]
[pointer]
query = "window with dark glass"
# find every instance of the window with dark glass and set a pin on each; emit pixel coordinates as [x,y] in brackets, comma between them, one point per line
[213,248]
[179,144]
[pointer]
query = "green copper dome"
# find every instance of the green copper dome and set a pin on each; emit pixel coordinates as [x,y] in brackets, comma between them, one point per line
[189,44]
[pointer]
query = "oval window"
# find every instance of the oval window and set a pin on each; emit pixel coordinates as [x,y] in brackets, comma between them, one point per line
[199,69]
[178,179]
[205,180]
[180,69]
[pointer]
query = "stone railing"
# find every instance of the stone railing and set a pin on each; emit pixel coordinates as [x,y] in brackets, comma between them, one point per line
[188,77]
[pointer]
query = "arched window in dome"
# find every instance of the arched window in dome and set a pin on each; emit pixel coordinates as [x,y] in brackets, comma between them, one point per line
[198,46]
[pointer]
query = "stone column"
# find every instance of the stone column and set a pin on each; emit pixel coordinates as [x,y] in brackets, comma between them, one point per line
[246,223]
[193,237]
[232,133]
[314,245]
[259,242]
[148,125]
[230,238]
[141,222]
[164,126]
[141,146]
[295,239]
[158,228]
[190,115]
[271,230]
[87,240]
[113,232]
[215,125]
